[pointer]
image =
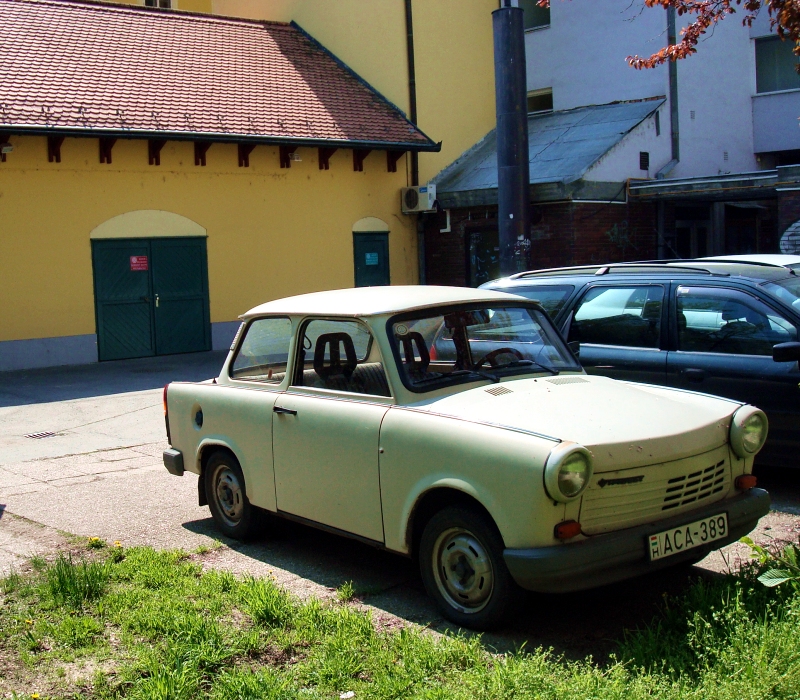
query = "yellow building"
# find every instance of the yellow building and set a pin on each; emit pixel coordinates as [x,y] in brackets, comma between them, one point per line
[165,170]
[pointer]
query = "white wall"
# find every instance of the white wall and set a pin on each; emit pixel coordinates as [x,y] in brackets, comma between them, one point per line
[718,83]
[622,161]
[582,57]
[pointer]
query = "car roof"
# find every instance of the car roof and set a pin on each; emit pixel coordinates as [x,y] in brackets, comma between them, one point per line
[369,301]
[753,270]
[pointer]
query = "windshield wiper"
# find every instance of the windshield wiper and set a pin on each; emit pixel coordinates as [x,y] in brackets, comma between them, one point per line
[517,363]
[486,375]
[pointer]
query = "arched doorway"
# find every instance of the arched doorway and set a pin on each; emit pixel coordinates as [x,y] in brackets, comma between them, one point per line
[371,252]
[150,285]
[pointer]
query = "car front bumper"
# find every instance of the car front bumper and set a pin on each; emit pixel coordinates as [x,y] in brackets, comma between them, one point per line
[615,556]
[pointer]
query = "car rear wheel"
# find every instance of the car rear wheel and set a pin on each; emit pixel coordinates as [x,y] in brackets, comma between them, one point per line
[461,561]
[233,514]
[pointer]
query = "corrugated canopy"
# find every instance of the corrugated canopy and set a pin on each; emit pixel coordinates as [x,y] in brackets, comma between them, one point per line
[77,67]
[562,146]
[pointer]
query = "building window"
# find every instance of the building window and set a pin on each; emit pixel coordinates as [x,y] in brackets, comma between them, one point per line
[644,160]
[540,100]
[776,65]
[165,4]
[535,16]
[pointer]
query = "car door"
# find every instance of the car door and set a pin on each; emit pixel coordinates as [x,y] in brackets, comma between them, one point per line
[326,430]
[619,328]
[723,346]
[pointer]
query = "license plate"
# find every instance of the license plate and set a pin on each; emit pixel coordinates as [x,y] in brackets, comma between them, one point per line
[679,539]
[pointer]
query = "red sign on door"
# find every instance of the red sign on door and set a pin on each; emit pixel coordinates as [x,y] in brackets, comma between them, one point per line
[138,263]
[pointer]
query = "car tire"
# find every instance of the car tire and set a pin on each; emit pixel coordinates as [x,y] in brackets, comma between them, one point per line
[233,513]
[462,567]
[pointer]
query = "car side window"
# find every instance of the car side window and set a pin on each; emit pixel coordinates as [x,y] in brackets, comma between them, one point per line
[730,322]
[627,316]
[340,355]
[264,353]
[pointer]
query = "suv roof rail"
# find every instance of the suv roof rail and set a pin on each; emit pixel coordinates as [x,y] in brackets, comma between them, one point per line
[660,265]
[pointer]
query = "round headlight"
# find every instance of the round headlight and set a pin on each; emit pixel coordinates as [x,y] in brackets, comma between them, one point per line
[567,472]
[748,431]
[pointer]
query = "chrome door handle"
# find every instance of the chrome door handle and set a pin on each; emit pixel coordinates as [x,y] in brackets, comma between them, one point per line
[156,300]
[287,411]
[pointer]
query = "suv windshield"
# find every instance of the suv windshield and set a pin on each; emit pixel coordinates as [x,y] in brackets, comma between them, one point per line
[442,347]
[787,290]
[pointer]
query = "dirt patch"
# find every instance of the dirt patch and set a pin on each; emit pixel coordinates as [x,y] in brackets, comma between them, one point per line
[21,539]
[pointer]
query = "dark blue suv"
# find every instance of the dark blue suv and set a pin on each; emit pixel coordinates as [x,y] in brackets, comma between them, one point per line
[724,328]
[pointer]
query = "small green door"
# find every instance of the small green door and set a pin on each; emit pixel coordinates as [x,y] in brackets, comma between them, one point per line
[151,297]
[371,259]
[180,291]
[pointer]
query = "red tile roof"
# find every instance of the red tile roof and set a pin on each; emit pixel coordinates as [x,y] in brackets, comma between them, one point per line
[78,67]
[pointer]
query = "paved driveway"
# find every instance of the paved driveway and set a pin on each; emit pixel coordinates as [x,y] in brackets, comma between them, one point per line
[101,474]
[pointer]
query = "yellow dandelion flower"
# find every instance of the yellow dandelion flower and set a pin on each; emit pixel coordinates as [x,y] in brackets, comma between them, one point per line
[28,622]
[35,696]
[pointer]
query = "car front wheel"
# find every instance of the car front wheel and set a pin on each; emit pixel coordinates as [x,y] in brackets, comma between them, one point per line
[461,561]
[233,514]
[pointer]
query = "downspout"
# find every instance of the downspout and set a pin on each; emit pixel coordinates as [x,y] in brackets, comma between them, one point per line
[412,89]
[674,128]
[414,155]
[664,249]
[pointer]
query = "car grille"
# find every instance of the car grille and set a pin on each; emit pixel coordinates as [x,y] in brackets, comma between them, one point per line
[695,486]
[629,497]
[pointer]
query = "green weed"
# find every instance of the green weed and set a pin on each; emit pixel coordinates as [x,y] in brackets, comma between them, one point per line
[346,592]
[267,604]
[74,584]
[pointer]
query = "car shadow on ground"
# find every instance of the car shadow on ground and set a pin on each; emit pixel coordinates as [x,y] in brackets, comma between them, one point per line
[573,625]
[24,387]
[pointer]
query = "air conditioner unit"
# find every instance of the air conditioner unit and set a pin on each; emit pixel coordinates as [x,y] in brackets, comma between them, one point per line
[414,199]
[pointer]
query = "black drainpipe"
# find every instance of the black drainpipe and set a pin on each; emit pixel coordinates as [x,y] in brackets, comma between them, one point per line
[513,168]
[412,88]
[665,250]
[673,99]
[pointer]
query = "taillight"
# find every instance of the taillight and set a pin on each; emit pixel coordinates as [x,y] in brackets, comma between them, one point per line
[166,386]
[432,352]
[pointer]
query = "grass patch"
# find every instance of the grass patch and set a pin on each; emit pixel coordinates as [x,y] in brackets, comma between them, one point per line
[136,623]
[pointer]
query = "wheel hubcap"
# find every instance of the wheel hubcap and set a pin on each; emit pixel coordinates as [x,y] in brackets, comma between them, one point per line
[463,570]
[230,498]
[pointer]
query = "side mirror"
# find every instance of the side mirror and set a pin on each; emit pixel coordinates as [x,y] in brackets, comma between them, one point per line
[575,346]
[786,352]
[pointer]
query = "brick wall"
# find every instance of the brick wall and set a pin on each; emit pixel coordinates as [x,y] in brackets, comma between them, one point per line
[788,210]
[564,233]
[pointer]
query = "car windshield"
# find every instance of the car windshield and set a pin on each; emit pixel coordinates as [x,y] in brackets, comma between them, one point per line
[442,347]
[787,290]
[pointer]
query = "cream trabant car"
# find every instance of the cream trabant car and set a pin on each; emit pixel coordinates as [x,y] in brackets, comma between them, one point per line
[455,426]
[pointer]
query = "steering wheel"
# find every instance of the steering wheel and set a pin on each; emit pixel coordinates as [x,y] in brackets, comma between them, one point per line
[490,357]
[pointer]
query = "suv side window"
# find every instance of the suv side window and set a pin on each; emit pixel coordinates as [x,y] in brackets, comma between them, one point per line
[264,352]
[727,321]
[626,315]
[551,297]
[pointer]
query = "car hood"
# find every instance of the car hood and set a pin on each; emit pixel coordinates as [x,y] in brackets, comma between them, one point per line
[623,424]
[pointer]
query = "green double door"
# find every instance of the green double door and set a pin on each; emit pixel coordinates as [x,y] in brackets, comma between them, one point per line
[151,296]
